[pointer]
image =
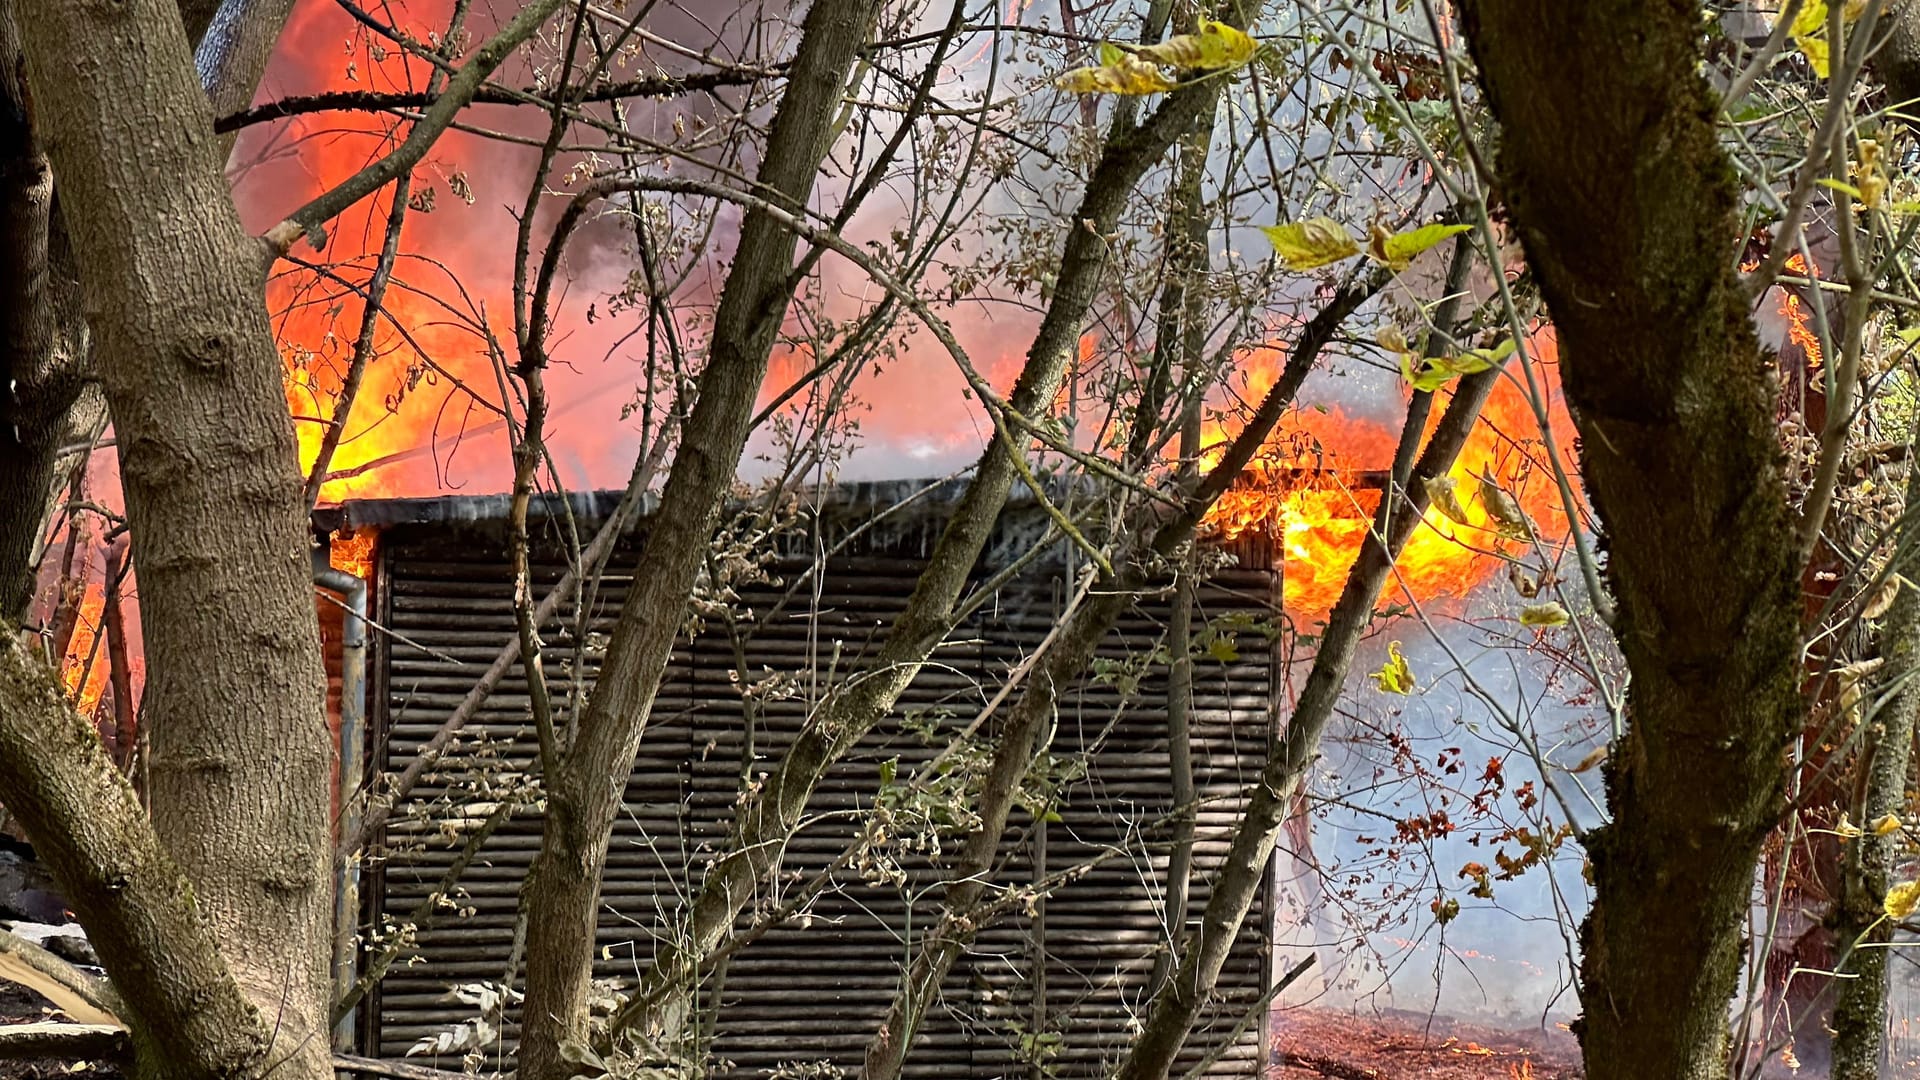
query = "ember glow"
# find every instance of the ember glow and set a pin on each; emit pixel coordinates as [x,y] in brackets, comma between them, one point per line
[1311,495]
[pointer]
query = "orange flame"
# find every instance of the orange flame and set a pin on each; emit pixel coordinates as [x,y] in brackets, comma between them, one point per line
[85,670]
[431,333]
[1799,323]
[353,552]
[1321,521]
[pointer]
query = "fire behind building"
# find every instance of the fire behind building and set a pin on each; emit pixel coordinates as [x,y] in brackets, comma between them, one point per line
[1053,989]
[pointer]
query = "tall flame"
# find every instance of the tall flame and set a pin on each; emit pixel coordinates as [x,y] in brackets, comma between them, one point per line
[1311,496]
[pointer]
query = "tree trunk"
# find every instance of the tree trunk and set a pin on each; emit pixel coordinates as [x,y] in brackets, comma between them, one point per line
[762,827]
[43,342]
[175,298]
[1860,1012]
[563,893]
[961,916]
[188,1016]
[1204,951]
[1625,205]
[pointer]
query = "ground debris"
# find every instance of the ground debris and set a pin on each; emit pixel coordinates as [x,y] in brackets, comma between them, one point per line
[1332,1044]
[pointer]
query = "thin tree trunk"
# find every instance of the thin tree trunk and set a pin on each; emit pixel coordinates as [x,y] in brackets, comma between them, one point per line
[175,298]
[1181,336]
[584,799]
[1860,1012]
[961,917]
[762,827]
[42,340]
[1625,205]
[1244,871]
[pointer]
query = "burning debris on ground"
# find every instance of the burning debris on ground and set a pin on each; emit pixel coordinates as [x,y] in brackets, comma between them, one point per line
[1317,1043]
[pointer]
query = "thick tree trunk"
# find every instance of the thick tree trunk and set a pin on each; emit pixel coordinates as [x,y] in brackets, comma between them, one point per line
[564,890]
[1625,206]
[1897,61]
[235,699]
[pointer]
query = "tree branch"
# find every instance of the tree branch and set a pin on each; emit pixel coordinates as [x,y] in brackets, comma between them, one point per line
[387,101]
[310,220]
[79,995]
[68,1042]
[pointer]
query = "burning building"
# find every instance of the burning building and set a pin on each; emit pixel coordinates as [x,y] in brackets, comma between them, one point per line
[1057,983]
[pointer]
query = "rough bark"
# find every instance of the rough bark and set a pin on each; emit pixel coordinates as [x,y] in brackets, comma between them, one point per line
[42,339]
[761,830]
[1897,61]
[175,298]
[1625,207]
[584,798]
[1860,1011]
[188,1016]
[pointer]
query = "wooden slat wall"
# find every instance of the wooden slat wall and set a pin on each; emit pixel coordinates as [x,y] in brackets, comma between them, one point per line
[815,991]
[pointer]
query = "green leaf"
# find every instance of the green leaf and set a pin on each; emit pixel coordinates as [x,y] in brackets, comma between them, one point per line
[1111,55]
[1435,372]
[1316,242]
[1221,649]
[1841,186]
[1396,250]
[1547,614]
[889,769]
[1395,676]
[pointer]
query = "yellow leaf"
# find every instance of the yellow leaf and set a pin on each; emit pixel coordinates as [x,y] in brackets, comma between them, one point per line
[1885,824]
[1441,494]
[1901,900]
[1487,358]
[1392,339]
[1435,372]
[1547,614]
[1508,519]
[1131,76]
[1304,245]
[1810,35]
[1216,47]
[1111,54]
[1394,676]
[1396,250]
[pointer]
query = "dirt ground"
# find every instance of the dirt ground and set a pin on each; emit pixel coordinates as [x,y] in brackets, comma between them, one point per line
[21,1006]
[1327,1044]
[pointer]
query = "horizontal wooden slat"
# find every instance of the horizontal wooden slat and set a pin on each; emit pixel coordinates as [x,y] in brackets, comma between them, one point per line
[816,990]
